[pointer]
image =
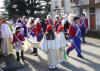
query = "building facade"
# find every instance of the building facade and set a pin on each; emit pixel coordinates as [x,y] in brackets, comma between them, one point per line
[56,7]
[91,7]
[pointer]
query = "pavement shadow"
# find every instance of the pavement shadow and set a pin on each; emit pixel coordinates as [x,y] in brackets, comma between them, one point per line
[42,65]
[11,63]
[92,44]
[71,67]
[90,63]
[91,54]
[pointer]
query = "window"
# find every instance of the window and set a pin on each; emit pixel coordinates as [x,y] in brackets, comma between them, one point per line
[74,1]
[91,1]
[62,3]
[92,9]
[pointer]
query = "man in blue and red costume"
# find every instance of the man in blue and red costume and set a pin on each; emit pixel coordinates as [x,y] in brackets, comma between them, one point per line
[39,32]
[83,27]
[75,34]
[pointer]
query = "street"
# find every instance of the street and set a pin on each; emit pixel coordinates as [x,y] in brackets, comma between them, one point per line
[91,61]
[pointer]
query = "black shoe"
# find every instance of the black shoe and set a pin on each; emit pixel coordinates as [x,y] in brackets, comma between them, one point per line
[80,56]
[18,60]
[84,41]
[35,54]
[23,60]
[67,53]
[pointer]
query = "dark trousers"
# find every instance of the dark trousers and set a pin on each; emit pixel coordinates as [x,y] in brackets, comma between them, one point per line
[18,56]
[35,50]
[83,38]
[76,45]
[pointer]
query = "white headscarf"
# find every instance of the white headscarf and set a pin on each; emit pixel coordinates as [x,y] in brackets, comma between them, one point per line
[37,20]
[71,17]
[65,18]
[48,16]
[29,21]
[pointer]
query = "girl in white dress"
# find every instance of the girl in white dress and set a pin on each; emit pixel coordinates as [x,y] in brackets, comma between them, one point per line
[49,44]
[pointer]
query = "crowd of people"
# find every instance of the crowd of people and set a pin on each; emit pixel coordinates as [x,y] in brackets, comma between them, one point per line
[52,36]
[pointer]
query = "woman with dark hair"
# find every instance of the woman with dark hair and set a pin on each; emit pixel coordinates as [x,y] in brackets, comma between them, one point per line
[49,44]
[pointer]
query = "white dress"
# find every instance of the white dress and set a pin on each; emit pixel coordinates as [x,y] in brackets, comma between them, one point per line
[51,47]
[62,44]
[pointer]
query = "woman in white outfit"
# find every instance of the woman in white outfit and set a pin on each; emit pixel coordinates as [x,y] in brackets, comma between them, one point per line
[7,38]
[49,44]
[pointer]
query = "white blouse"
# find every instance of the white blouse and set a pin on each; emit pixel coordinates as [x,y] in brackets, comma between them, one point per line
[49,44]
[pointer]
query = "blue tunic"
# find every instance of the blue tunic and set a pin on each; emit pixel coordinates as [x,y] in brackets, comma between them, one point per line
[76,40]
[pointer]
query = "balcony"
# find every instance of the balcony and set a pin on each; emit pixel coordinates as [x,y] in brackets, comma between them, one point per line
[97,1]
[83,2]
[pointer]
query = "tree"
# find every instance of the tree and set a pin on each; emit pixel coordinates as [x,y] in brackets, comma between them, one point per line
[27,7]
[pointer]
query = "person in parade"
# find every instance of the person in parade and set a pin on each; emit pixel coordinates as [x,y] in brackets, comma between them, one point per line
[43,23]
[83,26]
[49,44]
[39,32]
[23,23]
[31,27]
[75,34]
[32,30]
[57,22]
[49,20]
[0,37]
[7,38]
[18,39]
[66,24]
[62,41]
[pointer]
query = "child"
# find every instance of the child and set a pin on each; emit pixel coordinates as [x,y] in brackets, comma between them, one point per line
[49,44]
[62,41]
[18,39]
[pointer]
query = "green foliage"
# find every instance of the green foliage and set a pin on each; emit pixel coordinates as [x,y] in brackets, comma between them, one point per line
[16,8]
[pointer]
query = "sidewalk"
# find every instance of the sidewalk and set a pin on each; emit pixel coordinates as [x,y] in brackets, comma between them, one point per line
[91,61]
[9,63]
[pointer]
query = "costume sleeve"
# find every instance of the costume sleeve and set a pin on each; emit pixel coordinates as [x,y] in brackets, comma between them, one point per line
[55,24]
[86,23]
[72,31]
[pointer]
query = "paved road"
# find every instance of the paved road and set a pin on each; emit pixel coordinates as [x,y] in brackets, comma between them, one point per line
[91,62]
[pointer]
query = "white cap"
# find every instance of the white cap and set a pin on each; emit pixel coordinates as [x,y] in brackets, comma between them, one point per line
[48,16]
[37,20]
[56,16]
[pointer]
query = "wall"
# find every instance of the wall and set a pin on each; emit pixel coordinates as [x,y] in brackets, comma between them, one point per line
[53,13]
[83,2]
[67,6]
[97,1]
[97,18]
